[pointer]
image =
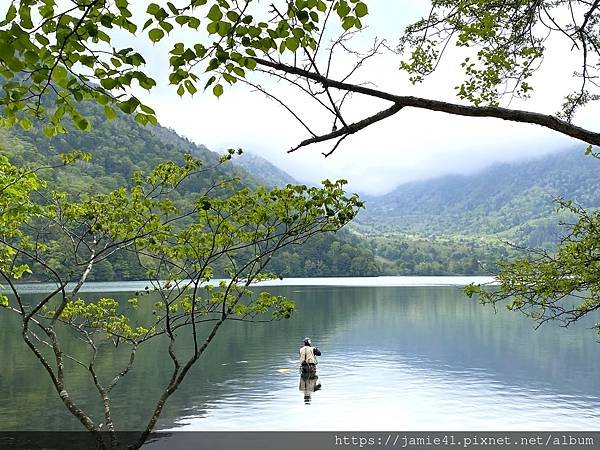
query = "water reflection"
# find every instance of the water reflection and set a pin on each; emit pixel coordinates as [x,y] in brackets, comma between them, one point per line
[309,383]
[412,358]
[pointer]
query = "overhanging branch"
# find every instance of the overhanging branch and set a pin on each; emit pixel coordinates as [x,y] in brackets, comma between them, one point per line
[400,101]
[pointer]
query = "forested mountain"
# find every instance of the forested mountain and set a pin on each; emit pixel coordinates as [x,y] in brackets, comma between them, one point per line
[514,200]
[459,224]
[451,225]
[121,146]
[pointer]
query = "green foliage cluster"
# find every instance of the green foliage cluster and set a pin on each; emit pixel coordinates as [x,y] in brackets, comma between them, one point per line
[16,186]
[67,49]
[507,48]
[563,285]
[504,44]
[47,50]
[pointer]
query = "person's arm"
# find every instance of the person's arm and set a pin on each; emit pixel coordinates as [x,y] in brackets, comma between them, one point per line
[317,352]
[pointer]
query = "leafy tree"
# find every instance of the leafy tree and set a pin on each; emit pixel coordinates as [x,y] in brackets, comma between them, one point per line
[67,48]
[54,58]
[561,286]
[179,246]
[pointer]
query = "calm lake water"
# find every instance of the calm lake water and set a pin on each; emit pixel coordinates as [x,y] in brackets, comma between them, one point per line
[396,356]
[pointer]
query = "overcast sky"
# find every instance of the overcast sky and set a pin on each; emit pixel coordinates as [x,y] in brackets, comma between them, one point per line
[413,144]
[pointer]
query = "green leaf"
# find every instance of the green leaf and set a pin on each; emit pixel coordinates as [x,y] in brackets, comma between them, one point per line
[147,24]
[292,43]
[218,90]
[190,87]
[25,123]
[153,9]
[348,23]
[141,119]
[156,34]
[83,124]
[215,13]
[166,26]
[50,131]
[110,113]
[212,27]
[361,9]
[342,8]
[194,23]
[59,74]
[42,39]
[147,109]
[182,20]
[129,106]
[210,81]
[172,8]
[108,83]
[11,14]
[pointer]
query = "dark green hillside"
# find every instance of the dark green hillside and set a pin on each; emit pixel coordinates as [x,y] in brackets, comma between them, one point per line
[513,201]
[459,224]
[121,146]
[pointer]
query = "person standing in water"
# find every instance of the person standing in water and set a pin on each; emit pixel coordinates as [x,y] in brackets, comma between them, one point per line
[308,357]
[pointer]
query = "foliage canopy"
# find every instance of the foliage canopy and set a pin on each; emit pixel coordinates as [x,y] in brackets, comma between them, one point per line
[68,49]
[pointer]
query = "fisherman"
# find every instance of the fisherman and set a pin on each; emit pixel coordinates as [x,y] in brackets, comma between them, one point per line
[308,357]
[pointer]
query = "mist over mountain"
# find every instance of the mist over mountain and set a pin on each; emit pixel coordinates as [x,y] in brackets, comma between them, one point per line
[459,224]
[509,199]
[450,225]
[269,174]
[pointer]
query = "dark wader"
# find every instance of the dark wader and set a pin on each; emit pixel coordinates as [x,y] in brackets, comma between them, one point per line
[308,368]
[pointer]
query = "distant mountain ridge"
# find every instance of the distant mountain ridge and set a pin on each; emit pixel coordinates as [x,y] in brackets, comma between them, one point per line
[506,199]
[451,225]
[458,224]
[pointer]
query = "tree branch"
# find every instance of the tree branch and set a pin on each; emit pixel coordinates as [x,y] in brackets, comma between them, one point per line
[514,115]
[350,129]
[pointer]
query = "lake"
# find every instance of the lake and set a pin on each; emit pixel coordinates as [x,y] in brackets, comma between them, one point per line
[398,354]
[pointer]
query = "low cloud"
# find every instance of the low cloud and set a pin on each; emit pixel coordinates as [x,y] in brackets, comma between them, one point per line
[414,144]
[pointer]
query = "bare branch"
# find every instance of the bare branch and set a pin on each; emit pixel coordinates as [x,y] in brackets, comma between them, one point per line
[350,129]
